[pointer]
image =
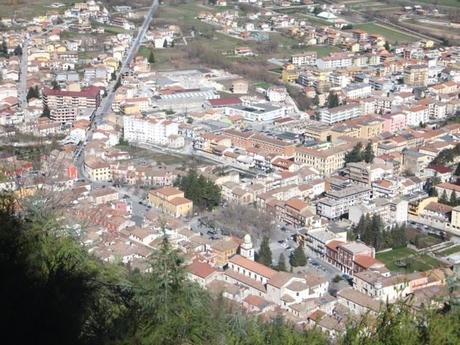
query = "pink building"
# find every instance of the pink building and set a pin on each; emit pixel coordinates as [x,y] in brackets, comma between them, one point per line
[394,122]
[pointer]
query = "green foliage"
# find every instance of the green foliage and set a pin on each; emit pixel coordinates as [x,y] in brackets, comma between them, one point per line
[446,156]
[333,100]
[298,257]
[457,170]
[151,58]
[264,256]
[4,49]
[358,154]
[204,193]
[281,263]
[46,111]
[371,231]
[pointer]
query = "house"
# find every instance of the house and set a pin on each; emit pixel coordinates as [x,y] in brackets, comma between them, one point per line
[171,201]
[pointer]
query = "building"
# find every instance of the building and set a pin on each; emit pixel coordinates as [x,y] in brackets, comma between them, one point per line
[326,160]
[358,90]
[98,171]
[304,59]
[351,257]
[171,201]
[256,112]
[416,75]
[337,203]
[340,113]
[143,130]
[85,98]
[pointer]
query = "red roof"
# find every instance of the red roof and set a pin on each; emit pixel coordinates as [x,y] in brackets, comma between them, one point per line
[221,102]
[89,92]
[201,269]
[441,169]
[366,261]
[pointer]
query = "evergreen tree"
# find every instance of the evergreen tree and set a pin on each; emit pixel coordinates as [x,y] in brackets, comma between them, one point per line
[332,100]
[298,257]
[264,256]
[36,92]
[387,46]
[355,155]
[457,170]
[165,44]
[282,263]
[18,50]
[46,112]
[368,154]
[4,49]
[204,193]
[443,198]
[55,85]
[151,58]
[30,93]
[453,201]
[316,100]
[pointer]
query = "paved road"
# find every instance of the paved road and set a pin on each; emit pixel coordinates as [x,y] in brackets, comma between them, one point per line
[106,102]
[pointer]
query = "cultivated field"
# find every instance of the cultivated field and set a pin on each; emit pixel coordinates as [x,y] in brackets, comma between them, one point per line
[390,34]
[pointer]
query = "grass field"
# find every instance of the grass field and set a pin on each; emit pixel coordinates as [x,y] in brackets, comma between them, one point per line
[453,3]
[414,262]
[451,250]
[391,35]
[30,8]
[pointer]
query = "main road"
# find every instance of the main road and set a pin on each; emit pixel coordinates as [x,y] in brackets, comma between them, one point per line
[106,102]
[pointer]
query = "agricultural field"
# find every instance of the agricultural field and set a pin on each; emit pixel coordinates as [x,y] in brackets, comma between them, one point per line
[31,8]
[407,260]
[390,34]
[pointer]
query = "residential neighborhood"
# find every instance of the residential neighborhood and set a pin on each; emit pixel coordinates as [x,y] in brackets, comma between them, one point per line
[303,159]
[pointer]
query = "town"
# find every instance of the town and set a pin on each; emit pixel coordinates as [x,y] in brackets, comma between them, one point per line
[303,156]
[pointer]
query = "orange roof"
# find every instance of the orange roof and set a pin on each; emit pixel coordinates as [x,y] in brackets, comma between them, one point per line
[366,261]
[252,266]
[201,269]
[180,201]
[334,244]
[168,191]
[296,204]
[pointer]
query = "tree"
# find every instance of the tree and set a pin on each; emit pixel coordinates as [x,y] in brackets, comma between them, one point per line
[387,46]
[204,193]
[18,50]
[355,155]
[165,44]
[113,76]
[453,201]
[30,93]
[4,49]
[457,170]
[55,85]
[282,263]
[316,100]
[46,111]
[151,58]
[332,100]
[264,256]
[443,198]
[317,10]
[298,257]
[368,154]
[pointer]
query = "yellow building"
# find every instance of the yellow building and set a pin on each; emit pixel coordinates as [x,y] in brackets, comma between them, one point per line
[98,171]
[289,73]
[172,201]
[416,75]
[416,207]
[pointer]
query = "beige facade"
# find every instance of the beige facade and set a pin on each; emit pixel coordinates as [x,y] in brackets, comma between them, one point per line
[172,201]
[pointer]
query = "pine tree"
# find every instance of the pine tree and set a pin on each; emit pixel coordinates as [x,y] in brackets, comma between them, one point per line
[4,49]
[387,46]
[453,199]
[368,154]
[151,58]
[298,257]
[443,198]
[457,170]
[355,155]
[316,100]
[282,263]
[55,85]
[332,100]
[264,256]
[46,111]
[36,92]
[30,93]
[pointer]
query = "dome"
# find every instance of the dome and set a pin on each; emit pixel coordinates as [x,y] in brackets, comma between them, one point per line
[247,239]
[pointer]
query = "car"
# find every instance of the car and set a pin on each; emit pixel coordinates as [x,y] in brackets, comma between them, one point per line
[283,228]
[281,241]
[141,203]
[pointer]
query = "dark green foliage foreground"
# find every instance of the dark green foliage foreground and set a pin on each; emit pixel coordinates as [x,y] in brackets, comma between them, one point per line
[53,292]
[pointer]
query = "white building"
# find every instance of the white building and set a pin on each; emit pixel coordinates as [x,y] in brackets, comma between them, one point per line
[143,130]
[340,113]
[358,90]
[256,112]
